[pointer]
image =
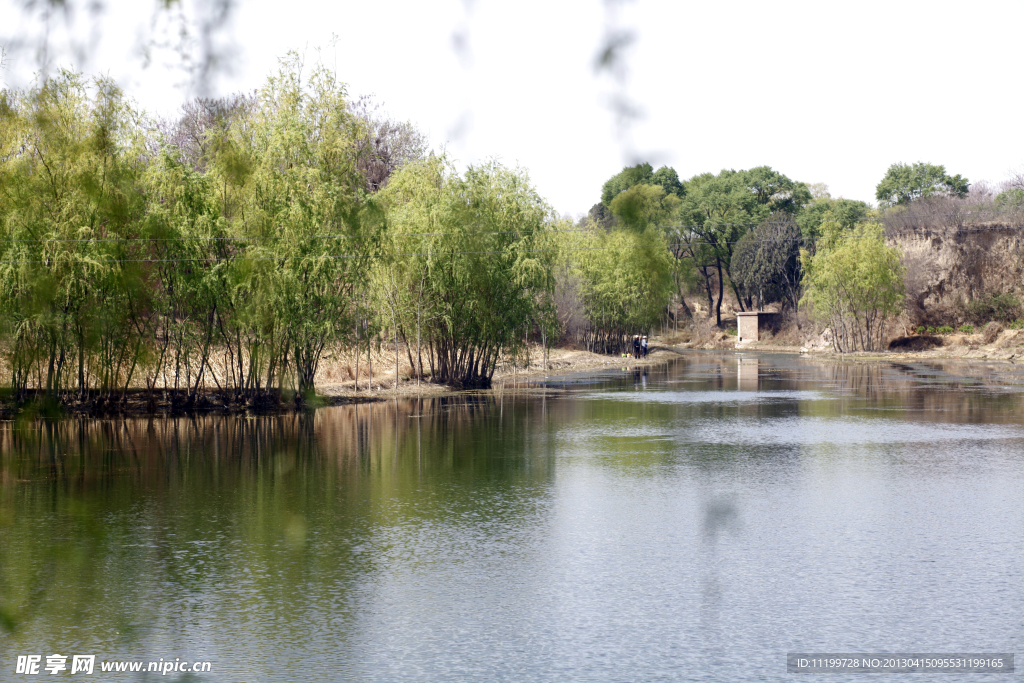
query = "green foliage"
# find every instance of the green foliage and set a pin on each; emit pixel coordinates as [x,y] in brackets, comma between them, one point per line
[766,262]
[967,329]
[854,283]
[625,283]
[1002,307]
[775,191]
[130,257]
[716,212]
[1017,324]
[641,174]
[629,176]
[943,329]
[464,265]
[667,178]
[1010,199]
[304,193]
[848,212]
[70,169]
[600,216]
[620,198]
[644,205]
[903,183]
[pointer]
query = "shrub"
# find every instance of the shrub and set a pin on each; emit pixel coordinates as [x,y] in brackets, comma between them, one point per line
[1017,324]
[854,283]
[967,329]
[920,329]
[921,342]
[944,329]
[1004,307]
[732,331]
[991,332]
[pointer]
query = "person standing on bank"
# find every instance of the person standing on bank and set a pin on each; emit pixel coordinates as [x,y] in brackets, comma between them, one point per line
[636,346]
[643,346]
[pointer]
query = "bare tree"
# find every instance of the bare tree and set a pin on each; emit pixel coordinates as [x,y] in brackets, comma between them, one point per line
[572,318]
[189,136]
[386,145]
[1016,181]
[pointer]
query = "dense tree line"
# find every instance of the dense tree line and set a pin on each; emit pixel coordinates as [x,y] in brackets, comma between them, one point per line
[720,229]
[230,248]
[131,255]
[766,239]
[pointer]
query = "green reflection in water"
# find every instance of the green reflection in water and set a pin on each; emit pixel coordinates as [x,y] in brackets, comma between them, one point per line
[264,531]
[105,523]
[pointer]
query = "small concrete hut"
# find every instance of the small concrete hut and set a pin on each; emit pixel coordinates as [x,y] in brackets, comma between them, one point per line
[749,325]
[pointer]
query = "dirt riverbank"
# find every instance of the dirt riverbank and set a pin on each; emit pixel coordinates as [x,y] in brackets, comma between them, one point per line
[1006,345]
[559,362]
[990,342]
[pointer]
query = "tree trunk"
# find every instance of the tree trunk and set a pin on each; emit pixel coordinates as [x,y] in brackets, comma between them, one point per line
[544,341]
[81,362]
[721,292]
[686,309]
[419,348]
[739,299]
[707,288]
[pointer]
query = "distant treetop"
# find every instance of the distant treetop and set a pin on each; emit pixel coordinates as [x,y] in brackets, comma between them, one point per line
[903,183]
[641,174]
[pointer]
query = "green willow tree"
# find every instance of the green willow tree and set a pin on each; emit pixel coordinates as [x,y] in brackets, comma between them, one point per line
[71,283]
[626,278]
[135,253]
[625,273]
[854,284]
[463,266]
[311,225]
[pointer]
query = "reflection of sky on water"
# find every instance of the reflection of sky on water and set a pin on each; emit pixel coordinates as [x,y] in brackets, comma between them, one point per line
[610,534]
[718,397]
[796,431]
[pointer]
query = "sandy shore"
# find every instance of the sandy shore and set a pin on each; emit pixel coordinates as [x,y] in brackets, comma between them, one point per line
[559,362]
[1007,346]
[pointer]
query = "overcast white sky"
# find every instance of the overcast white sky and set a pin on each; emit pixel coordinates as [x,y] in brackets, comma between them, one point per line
[823,92]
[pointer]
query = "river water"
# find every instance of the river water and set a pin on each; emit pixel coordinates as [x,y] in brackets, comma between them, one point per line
[692,522]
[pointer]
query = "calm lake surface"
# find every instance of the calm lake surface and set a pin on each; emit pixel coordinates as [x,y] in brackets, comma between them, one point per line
[692,523]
